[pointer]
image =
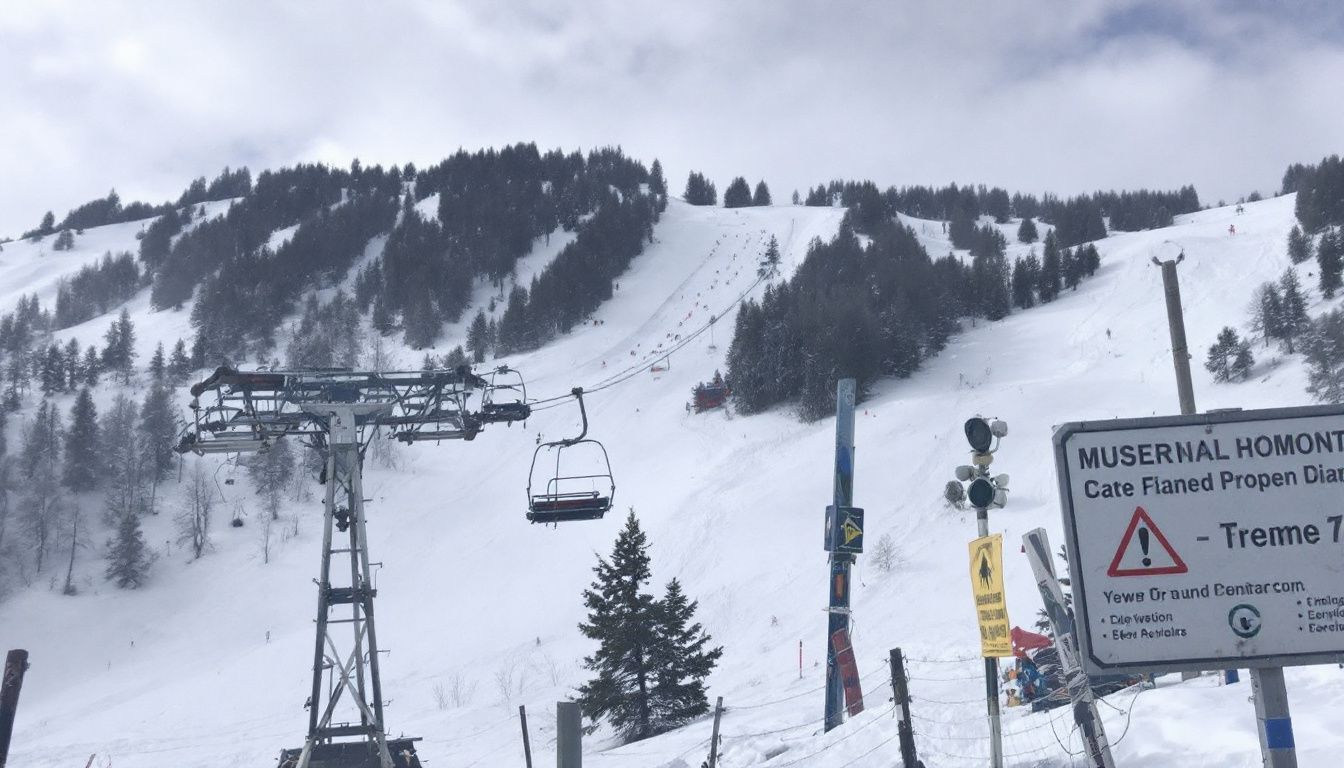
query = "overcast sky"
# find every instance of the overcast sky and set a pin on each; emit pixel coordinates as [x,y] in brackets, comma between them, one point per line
[1059,95]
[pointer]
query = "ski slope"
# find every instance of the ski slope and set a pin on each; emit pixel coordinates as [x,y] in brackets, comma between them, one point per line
[209,664]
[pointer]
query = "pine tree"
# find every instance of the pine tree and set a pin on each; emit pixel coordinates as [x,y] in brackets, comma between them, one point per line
[769,266]
[1324,352]
[179,365]
[91,367]
[52,374]
[623,618]
[119,353]
[1091,258]
[1049,283]
[1071,266]
[1229,358]
[1293,320]
[476,337]
[1330,258]
[128,559]
[738,194]
[1299,245]
[158,364]
[271,472]
[1026,231]
[1266,310]
[682,658]
[158,428]
[762,194]
[82,447]
[73,365]
[1024,283]
[658,185]
[123,461]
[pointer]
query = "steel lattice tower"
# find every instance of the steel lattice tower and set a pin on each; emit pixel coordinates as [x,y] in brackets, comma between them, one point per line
[338,413]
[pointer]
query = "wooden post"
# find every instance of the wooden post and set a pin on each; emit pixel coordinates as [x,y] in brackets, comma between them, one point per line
[900,690]
[527,745]
[714,739]
[16,663]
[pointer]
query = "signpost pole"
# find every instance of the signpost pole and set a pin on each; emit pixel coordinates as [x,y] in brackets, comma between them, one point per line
[1180,353]
[1272,718]
[991,671]
[1085,715]
[840,562]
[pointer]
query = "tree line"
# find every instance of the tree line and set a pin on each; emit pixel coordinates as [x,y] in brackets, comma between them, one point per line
[880,310]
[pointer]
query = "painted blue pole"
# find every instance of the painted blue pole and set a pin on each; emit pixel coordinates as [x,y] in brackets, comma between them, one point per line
[838,584]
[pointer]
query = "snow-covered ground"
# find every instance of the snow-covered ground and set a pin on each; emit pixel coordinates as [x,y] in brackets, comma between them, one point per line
[208,664]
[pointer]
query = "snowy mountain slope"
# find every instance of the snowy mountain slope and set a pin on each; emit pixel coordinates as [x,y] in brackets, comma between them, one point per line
[208,665]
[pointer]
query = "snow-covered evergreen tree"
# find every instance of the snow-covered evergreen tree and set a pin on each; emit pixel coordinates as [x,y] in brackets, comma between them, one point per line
[82,446]
[682,658]
[128,558]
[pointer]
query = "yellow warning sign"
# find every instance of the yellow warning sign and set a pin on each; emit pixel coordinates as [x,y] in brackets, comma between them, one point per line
[991,608]
[850,530]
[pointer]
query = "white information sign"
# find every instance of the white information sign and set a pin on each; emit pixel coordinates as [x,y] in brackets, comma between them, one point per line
[1207,541]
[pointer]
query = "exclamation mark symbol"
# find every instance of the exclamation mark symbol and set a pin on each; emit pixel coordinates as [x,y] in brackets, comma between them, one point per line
[1143,543]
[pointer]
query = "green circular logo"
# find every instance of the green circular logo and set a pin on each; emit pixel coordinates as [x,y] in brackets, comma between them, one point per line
[1244,620]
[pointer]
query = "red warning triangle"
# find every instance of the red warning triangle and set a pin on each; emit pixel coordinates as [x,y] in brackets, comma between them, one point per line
[1147,554]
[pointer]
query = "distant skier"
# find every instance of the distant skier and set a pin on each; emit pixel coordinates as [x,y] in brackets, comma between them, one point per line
[1231,229]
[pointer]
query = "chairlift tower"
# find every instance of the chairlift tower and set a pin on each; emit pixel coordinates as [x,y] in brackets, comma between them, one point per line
[337,413]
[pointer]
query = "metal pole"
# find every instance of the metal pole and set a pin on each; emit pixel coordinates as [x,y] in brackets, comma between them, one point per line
[568,735]
[16,663]
[714,739]
[843,496]
[1180,353]
[1085,715]
[991,664]
[527,744]
[1272,718]
[901,692]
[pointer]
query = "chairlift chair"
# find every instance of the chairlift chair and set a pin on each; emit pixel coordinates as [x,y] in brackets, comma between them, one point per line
[568,495]
[504,379]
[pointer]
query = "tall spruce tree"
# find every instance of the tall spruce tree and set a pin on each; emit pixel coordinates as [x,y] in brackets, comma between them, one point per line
[271,472]
[653,658]
[82,446]
[1051,276]
[124,462]
[1330,258]
[128,558]
[682,658]
[158,364]
[1293,320]
[762,194]
[1299,245]
[738,194]
[158,427]
[623,618]
[179,365]
[1324,352]
[477,340]
[1026,231]
[1229,358]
